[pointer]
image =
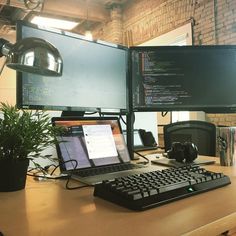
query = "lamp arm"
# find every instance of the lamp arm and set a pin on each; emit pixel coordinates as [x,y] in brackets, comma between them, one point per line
[3,65]
[2,43]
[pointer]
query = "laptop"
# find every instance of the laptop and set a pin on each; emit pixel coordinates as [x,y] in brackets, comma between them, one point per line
[98,146]
[138,142]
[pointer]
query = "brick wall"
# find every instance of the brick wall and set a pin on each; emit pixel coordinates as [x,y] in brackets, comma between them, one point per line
[213,21]
[150,18]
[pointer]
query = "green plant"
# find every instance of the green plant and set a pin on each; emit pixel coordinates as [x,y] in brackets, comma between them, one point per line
[24,133]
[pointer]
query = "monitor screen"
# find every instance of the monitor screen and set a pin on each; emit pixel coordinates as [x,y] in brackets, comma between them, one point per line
[191,78]
[94,75]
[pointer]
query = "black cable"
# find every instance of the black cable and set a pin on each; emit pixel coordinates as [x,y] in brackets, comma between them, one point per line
[69,176]
[50,176]
[121,118]
[44,171]
[77,187]
[91,113]
[38,169]
[62,163]
[163,114]
[46,176]
[142,157]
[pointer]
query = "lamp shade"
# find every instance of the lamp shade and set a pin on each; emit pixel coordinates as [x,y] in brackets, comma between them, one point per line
[33,55]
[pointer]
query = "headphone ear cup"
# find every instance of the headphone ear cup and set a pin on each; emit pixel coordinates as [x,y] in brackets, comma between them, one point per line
[190,152]
[176,152]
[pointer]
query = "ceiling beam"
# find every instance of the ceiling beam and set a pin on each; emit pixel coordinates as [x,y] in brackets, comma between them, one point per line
[93,10]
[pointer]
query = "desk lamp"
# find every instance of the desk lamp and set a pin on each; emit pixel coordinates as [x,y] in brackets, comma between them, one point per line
[32,55]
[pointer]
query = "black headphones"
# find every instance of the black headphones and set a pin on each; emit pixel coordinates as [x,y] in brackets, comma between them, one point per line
[183,152]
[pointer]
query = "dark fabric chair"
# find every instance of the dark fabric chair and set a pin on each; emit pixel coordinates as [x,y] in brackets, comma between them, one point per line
[201,133]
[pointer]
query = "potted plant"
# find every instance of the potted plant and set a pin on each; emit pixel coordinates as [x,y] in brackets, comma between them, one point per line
[24,135]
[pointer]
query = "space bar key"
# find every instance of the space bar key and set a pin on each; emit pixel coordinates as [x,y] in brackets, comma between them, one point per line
[173,186]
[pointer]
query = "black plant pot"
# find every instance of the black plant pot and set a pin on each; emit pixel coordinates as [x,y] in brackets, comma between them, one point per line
[13,174]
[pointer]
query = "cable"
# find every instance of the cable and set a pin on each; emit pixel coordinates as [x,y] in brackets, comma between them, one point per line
[163,114]
[39,169]
[47,176]
[121,118]
[91,113]
[69,176]
[145,163]
[50,176]
[44,171]
[77,187]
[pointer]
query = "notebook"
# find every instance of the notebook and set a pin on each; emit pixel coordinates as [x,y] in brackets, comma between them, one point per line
[98,146]
[138,142]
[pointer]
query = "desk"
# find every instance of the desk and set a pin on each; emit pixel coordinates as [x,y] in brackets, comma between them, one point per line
[47,208]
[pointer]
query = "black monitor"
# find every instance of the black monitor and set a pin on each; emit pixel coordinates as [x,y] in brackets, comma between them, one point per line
[94,75]
[191,78]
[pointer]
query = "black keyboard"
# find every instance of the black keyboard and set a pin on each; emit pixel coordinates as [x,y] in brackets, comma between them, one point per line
[152,189]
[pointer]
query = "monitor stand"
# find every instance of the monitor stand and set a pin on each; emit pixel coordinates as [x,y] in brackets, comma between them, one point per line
[72,113]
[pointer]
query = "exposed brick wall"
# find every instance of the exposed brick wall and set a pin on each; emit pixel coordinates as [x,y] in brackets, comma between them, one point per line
[214,22]
[111,31]
[148,19]
[222,119]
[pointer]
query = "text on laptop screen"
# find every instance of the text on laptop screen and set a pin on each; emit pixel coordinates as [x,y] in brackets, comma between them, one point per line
[91,143]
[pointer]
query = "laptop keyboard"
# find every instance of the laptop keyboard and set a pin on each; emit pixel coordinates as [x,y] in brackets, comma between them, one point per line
[107,169]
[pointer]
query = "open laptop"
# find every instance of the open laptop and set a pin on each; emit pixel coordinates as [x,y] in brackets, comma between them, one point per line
[138,142]
[98,146]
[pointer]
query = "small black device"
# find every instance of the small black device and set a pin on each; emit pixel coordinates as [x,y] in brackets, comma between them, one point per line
[148,190]
[183,152]
[143,140]
[147,138]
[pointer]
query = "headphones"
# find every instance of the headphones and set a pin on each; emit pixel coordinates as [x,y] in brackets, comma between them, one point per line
[183,152]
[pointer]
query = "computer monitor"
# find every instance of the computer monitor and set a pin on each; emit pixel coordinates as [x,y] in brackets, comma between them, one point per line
[94,75]
[191,78]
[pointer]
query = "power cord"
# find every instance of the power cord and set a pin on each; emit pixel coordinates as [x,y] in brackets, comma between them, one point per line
[147,160]
[47,175]
[121,118]
[69,178]
[44,172]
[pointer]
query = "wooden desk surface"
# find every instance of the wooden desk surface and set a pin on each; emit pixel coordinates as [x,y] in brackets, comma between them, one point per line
[47,208]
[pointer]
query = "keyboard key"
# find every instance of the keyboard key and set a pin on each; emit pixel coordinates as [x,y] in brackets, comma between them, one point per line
[173,186]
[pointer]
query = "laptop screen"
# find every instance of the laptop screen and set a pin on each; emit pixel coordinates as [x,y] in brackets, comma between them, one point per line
[91,141]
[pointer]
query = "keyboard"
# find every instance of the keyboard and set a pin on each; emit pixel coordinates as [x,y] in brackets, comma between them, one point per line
[107,169]
[144,191]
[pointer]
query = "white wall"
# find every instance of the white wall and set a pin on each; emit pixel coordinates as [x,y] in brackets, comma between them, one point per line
[147,121]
